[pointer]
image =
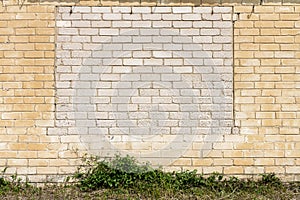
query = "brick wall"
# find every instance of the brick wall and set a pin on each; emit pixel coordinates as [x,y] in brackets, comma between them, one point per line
[266,43]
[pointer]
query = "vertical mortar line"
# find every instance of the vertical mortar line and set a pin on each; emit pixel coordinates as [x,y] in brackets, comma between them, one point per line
[233,69]
[55,68]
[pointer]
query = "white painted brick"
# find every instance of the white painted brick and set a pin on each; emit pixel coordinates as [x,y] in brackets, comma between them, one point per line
[173,47]
[112,16]
[183,69]
[161,9]
[162,39]
[112,47]
[170,77]
[91,17]
[68,31]
[101,24]
[210,32]
[213,17]
[152,46]
[202,9]
[162,54]
[128,31]
[202,39]
[110,77]
[150,77]
[132,62]
[132,47]
[151,16]
[153,62]
[173,61]
[101,9]
[149,32]
[130,77]
[141,9]
[101,39]
[141,24]
[170,31]
[143,69]
[160,24]
[121,9]
[63,24]
[182,24]
[67,16]
[142,39]
[222,24]
[222,9]
[117,24]
[191,17]
[122,39]
[202,24]
[132,17]
[109,31]
[182,39]
[189,32]
[141,100]
[141,54]
[171,17]
[182,9]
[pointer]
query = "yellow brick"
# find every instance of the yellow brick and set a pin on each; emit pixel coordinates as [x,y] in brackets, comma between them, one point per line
[250,46]
[39,162]
[12,115]
[264,161]
[241,70]
[264,24]
[24,46]
[285,100]
[31,115]
[44,62]
[182,162]
[264,39]
[247,39]
[17,162]
[29,69]
[271,92]
[284,39]
[232,154]
[44,77]
[254,170]
[289,131]
[292,32]
[264,70]
[250,32]
[13,54]
[294,47]
[24,123]
[252,93]
[270,16]
[13,69]
[243,24]
[223,162]
[242,9]
[233,170]
[277,170]
[250,107]
[37,147]
[39,39]
[243,161]
[270,31]
[26,62]
[238,85]
[270,47]
[202,162]
[23,39]
[45,31]
[287,115]
[284,9]
[25,31]
[270,107]
[249,16]
[37,23]
[8,100]
[34,100]
[34,54]
[250,62]
[290,77]
[17,146]
[27,154]
[264,54]
[264,9]
[45,16]
[29,138]
[8,154]
[274,153]
[44,46]
[47,170]
[265,115]
[24,92]
[284,24]
[285,84]
[23,107]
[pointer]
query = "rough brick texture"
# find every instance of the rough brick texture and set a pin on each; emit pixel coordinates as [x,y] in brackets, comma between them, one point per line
[265,134]
[155,85]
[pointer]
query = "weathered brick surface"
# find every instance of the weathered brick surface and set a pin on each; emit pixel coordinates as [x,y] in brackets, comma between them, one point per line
[266,97]
[155,69]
